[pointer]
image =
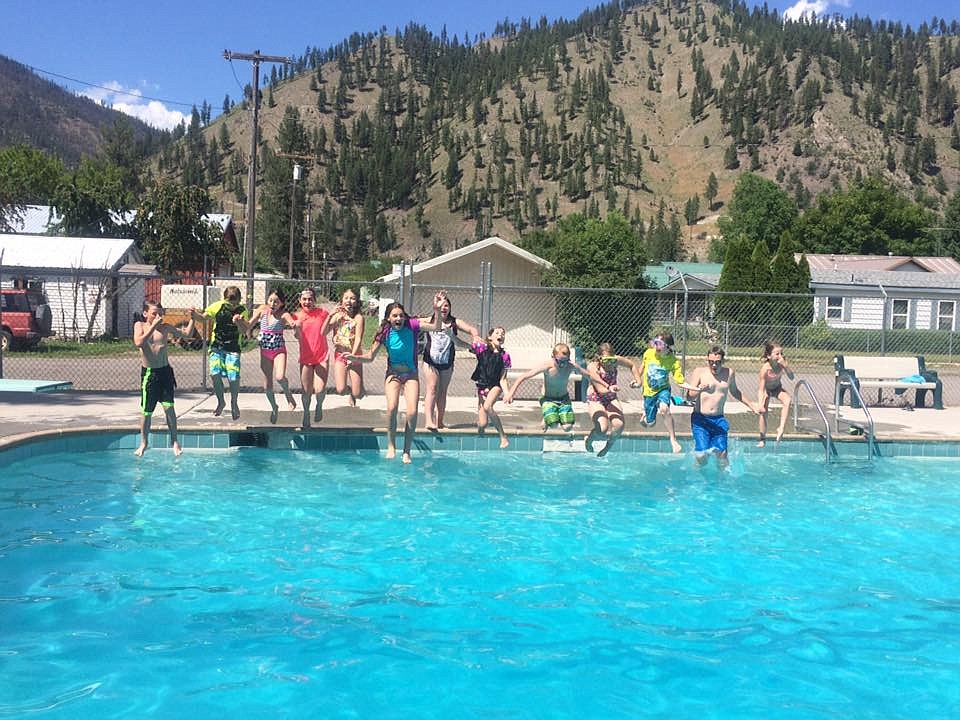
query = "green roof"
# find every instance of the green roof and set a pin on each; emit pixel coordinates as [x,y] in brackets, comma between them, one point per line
[657,274]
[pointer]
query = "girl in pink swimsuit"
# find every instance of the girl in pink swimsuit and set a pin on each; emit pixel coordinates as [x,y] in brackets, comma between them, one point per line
[605,409]
[272,319]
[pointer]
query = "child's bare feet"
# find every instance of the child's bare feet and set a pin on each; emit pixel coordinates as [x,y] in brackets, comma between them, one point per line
[292,403]
[318,413]
[218,411]
[177,450]
[504,442]
[588,442]
[306,419]
[140,450]
[391,453]
[273,416]
[235,412]
[762,442]
[779,436]
[407,459]
[606,448]
[675,445]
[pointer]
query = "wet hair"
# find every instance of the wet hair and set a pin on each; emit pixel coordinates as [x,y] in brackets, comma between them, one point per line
[231,293]
[768,347]
[492,330]
[147,304]
[604,349]
[716,350]
[561,349]
[385,324]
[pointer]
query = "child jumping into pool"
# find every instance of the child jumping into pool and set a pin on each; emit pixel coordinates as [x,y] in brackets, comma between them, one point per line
[772,369]
[439,355]
[272,318]
[658,365]
[311,326]
[399,334]
[490,376]
[555,404]
[156,376]
[347,324]
[605,409]
[228,317]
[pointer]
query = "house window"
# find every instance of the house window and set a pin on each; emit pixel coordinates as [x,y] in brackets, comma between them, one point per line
[835,308]
[946,311]
[900,315]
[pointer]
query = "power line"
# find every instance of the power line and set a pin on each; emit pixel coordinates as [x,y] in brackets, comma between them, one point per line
[110,89]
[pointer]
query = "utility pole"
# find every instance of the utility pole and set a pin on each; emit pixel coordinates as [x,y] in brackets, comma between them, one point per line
[297,175]
[255,58]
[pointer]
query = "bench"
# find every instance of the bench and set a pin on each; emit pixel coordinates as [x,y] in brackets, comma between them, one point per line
[886,372]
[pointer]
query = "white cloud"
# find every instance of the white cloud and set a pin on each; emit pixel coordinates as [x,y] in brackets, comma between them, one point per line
[131,102]
[805,8]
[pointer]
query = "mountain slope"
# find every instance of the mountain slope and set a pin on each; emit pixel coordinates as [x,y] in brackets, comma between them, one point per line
[39,113]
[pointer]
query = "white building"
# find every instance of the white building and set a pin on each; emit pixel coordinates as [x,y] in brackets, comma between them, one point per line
[886,291]
[94,285]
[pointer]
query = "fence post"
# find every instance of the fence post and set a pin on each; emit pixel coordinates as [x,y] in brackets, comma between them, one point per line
[484,270]
[883,321]
[488,298]
[686,319]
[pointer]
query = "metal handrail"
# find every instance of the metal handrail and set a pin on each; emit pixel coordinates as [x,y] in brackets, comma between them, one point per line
[828,438]
[870,430]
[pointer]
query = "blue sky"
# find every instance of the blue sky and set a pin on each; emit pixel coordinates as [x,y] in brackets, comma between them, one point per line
[154,60]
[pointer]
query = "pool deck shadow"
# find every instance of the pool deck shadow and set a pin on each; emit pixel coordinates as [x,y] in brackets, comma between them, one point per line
[26,414]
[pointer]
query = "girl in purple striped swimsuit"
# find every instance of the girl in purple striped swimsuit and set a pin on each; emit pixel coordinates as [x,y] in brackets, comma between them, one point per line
[272,319]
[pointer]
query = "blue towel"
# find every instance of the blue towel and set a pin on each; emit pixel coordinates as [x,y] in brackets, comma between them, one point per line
[913,379]
[909,379]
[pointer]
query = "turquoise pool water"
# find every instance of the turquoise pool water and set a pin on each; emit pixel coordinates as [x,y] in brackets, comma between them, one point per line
[258,583]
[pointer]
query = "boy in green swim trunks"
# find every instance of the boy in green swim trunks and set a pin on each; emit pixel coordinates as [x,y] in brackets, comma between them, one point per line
[555,402]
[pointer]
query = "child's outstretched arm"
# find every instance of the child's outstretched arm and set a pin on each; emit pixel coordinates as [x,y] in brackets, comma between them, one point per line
[594,376]
[508,398]
[368,356]
[433,322]
[254,320]
[737,395]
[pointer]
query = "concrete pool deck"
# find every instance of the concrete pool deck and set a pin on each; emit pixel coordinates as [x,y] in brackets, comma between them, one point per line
[23,415]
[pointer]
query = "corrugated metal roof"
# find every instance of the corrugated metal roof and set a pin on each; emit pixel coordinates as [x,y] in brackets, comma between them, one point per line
[882,263]
[887,278]
[52,252]
[707,273]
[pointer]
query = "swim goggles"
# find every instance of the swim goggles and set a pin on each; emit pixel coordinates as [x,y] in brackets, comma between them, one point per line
[562,361]
[608,360]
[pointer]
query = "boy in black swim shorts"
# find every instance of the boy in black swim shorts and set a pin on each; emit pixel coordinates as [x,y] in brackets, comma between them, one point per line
[157,381]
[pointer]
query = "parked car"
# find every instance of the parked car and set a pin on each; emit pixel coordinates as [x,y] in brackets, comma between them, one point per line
[26,318]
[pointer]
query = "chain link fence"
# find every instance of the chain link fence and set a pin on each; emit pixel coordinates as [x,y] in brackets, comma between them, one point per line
[812,330]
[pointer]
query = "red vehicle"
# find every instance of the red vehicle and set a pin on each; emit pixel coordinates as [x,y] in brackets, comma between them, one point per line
[25,318]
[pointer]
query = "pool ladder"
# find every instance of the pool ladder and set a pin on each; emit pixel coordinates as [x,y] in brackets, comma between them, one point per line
[865,427]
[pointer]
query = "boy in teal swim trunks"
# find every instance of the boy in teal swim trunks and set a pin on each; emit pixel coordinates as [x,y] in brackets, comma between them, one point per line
[555,402]
[658,366]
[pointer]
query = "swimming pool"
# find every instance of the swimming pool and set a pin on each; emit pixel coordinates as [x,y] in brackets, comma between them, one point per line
[265,583]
